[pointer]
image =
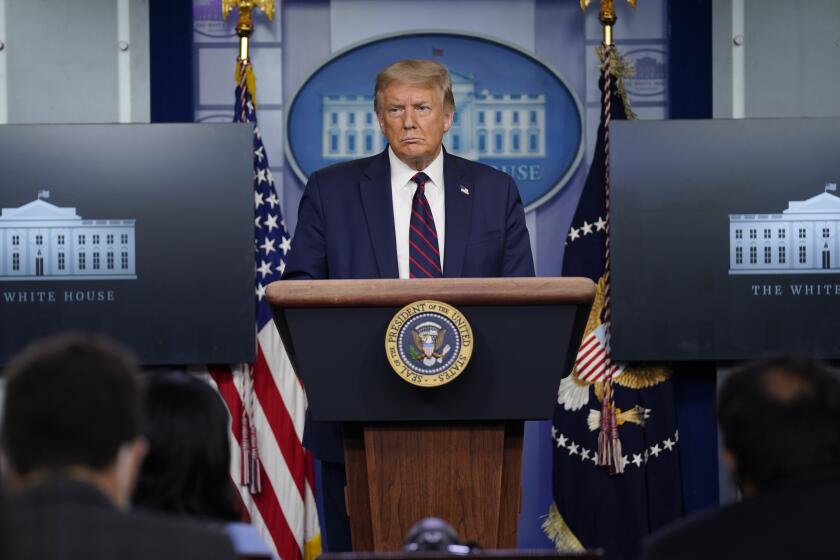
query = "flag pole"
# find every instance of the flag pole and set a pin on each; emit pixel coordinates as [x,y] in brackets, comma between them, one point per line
[250,461]
[245,23]
[609,452]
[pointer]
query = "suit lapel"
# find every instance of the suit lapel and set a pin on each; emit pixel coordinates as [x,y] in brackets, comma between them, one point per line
[375,190]
[458,188]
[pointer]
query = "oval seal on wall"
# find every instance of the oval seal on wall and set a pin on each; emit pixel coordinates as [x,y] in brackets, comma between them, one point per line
[513,111]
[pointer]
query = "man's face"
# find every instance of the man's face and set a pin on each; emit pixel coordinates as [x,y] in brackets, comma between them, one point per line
[414,121]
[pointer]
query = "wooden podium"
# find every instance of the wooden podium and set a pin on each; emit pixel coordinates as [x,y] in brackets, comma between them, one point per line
[453,451]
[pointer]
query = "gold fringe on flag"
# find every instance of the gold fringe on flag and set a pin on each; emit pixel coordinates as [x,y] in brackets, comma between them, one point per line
[312,548]
[620,68]
[556,529]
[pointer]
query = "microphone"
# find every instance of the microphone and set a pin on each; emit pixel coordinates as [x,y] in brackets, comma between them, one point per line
[435,534]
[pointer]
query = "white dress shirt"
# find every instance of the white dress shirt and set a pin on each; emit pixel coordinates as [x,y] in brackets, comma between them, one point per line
[402,193]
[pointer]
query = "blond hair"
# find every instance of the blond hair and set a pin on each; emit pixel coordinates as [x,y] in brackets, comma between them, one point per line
[416,72]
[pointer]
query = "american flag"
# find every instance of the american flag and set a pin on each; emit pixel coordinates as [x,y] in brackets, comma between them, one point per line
[266,400]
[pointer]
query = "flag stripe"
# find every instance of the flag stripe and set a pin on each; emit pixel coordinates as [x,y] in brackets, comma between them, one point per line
[277,473]
[589,373]
[250,513]
[288,497]
[279,420]
[592,367]
[287,383]
[289,388]
[266,501]
[593,375]
[279,503]
[591,357]
[589,346]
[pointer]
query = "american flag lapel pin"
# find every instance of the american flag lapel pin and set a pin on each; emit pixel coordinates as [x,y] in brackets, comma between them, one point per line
[465,190]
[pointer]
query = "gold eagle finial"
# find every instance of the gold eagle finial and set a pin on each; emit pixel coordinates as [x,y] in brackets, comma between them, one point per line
[606,15]
[245,23]
[606,9]
[267,6]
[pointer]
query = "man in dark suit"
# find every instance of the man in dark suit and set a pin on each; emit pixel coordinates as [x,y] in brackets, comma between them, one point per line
[413,211]
[780,420]
[354,217]
[70,434]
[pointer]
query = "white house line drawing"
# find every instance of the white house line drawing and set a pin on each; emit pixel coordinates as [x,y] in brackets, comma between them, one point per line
[42,241]
[801,240]
[486,125]
[648,68]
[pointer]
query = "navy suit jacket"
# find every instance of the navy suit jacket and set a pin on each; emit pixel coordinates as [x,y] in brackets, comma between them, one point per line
[346,223]
[345,230]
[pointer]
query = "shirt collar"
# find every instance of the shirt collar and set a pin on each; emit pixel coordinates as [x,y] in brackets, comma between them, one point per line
[401,173]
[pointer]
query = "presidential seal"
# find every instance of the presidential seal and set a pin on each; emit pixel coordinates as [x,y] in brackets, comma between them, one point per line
[428,343]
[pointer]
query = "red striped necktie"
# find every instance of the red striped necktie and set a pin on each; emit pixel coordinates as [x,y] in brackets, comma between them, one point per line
[423,253]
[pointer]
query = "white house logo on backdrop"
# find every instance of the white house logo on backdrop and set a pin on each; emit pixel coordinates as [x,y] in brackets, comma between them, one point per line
[501,125]
[803,239]
[650,78]
[512,111]
[42,241]
[208,20]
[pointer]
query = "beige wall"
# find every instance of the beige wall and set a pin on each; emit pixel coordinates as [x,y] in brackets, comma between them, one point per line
[74,61]
[786,65]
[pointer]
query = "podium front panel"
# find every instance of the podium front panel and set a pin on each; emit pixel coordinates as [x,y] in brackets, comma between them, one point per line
[340,353]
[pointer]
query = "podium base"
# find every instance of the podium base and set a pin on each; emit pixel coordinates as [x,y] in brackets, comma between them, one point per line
[467,474]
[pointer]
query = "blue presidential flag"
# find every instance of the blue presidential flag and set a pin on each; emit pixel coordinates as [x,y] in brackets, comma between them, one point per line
[616,462]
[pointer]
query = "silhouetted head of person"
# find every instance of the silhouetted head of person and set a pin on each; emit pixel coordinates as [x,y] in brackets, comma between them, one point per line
[72,409]
[780,419]
[187,468]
